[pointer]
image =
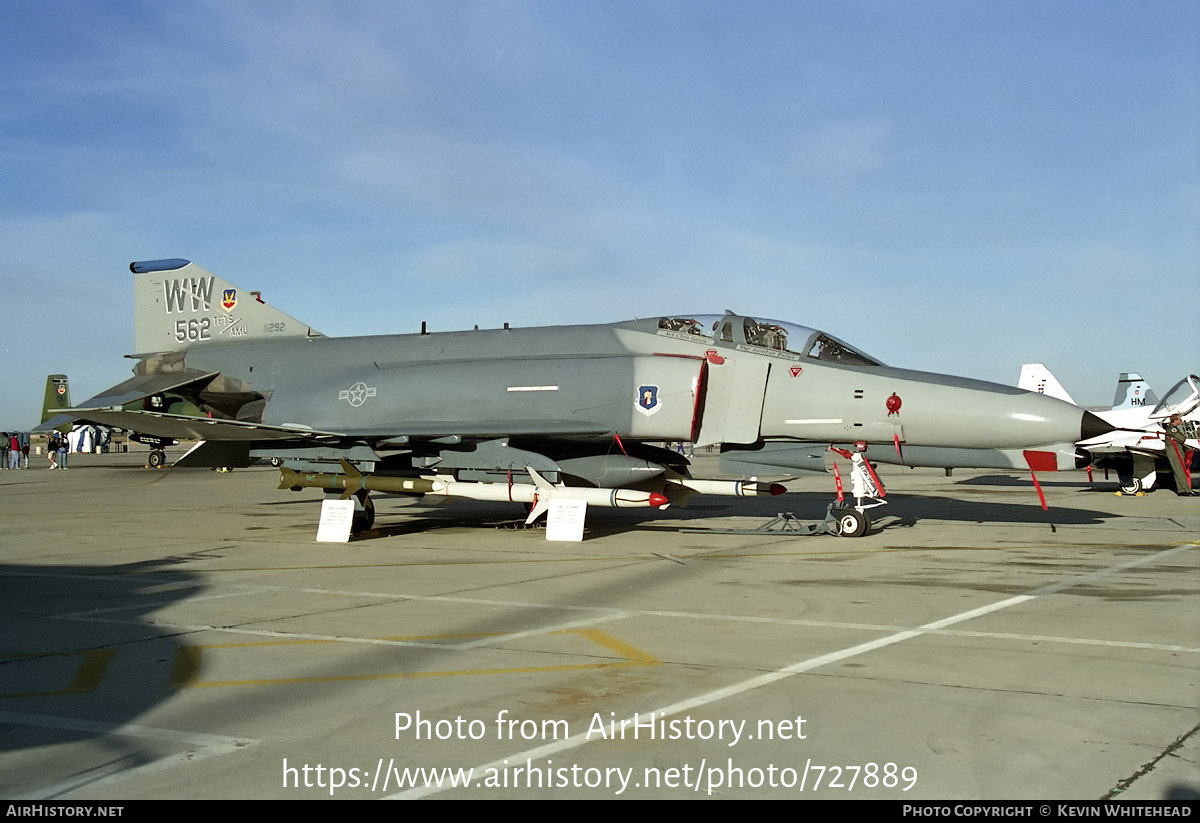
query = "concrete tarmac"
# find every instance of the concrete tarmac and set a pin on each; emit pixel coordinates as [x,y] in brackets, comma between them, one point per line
[181,634]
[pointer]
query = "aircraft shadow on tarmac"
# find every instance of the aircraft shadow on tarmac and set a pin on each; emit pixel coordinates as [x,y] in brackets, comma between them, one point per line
[149,652]
[79,655]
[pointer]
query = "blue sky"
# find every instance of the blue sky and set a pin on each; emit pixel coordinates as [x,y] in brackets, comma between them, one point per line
[952,186]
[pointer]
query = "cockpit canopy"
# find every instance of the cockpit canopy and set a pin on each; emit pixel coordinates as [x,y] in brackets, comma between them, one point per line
[1183,398]
[774,335]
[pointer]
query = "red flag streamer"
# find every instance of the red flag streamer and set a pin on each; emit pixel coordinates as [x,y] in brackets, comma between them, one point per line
[1038,486]
[1039,461]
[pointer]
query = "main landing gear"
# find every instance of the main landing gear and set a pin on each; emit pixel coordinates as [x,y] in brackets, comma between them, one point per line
[364,513]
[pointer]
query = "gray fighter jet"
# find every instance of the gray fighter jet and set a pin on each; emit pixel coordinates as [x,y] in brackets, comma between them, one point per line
[520,414]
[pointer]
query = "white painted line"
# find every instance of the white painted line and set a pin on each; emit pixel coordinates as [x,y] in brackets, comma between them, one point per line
[541,631]
[600,612]
[806,665]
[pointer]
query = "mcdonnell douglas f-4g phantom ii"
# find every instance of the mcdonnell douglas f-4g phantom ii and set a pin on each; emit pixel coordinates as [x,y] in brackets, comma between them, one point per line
[528,414]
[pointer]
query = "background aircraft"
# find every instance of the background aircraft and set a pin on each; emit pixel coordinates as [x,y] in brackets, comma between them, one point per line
[57,400]
[1137,450]
[485,412]
[1132,391]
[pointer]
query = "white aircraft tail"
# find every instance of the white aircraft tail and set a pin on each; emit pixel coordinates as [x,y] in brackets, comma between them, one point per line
[177,305]
[1133,392]
[1035,377]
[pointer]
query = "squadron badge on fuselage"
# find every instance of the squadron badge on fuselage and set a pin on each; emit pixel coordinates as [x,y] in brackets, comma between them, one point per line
[647,400]
[228,299]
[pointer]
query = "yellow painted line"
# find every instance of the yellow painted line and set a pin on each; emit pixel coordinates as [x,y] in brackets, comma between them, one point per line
[91,670]
[186,666]
[636,656]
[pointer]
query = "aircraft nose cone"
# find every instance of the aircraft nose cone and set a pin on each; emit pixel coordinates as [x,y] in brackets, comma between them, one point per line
[1094,426]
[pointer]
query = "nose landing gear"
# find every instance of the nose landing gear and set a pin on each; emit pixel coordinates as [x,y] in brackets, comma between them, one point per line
[853,521]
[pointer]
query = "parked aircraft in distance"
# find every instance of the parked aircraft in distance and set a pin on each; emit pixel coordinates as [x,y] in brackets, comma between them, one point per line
[1132,391]
[57,400]
[1138,447]
[524,414]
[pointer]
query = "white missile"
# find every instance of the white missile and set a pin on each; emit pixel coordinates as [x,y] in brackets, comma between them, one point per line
[541,492]
[731,488]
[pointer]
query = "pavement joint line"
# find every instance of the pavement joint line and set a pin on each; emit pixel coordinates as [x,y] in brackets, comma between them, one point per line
[202,745]
[803,666]
[150,605]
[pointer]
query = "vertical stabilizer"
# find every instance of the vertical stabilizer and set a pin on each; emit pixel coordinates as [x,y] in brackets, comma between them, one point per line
[57,396]
[177,305]
[1036,377]
[1133,392]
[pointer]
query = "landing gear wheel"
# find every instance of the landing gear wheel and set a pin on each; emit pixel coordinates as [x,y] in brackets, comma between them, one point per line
[851,522]
[276,461]
[157,459]
[1130,485]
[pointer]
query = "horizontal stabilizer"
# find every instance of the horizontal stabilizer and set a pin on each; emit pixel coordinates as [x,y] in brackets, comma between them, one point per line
[132,390]
[185,427]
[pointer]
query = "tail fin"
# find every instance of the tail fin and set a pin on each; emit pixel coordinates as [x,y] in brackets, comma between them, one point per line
[56,398]
[1133,391]
[1036,377]
[177,305]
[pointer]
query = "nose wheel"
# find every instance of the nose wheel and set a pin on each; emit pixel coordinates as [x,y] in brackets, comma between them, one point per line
[848,522]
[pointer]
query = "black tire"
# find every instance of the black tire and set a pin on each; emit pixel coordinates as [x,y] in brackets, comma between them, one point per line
[364,518]
[1130,485]
[852,522]
[157,459]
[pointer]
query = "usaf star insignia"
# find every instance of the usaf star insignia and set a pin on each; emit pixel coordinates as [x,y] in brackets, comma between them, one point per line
[357,394]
